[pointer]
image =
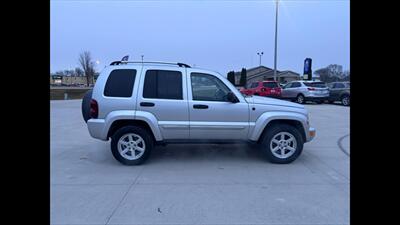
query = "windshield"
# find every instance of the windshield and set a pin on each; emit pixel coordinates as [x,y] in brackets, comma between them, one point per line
[315,84]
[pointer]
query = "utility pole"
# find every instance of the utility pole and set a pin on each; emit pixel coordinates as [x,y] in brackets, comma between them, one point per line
[142,58]
[276,37]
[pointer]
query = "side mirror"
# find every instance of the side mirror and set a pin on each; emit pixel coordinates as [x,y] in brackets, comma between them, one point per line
[232,98]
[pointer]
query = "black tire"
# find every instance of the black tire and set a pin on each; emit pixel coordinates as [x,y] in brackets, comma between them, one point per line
[86,105]
[143,133]
[267,139]
[300,99]
[345,99]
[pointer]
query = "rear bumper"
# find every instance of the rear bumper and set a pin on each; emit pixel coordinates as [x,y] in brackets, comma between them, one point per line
[97,129]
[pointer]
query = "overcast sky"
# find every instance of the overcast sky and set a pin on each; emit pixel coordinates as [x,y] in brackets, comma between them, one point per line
[217,35]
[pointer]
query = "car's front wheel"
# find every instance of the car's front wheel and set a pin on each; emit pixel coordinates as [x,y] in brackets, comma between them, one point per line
[131,145]
[282,143]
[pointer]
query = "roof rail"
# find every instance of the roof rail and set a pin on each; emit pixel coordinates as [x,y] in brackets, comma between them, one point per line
[169,63]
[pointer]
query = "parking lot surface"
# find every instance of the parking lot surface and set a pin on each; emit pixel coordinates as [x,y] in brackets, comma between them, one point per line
[198,184]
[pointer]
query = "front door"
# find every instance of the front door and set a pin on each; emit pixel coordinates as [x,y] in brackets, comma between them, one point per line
[211,115]
[164,95]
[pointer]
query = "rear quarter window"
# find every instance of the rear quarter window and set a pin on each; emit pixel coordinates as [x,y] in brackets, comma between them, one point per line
[120,83]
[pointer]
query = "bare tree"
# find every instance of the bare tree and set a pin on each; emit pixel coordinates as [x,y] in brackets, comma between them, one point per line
[79,72]
[85,60]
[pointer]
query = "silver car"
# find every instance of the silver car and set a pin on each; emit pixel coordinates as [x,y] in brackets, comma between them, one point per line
[302,91]
[142,104]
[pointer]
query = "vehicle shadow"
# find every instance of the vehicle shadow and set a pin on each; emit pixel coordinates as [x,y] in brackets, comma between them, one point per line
[209,152]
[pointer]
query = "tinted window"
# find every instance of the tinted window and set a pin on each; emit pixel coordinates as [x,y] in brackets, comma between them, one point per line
[315,84]
[206,87]
[162,84]
[289,85]
[120,83]
[270,84]
[295,84]
[339,85]
[254,85]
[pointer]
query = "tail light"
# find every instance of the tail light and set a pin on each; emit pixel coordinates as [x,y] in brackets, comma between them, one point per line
[94,109]
[311,89]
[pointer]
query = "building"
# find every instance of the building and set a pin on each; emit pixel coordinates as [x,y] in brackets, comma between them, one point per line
[261,73]
[70,80]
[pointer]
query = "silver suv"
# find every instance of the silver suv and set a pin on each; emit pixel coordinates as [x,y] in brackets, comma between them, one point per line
[142,104]
[302,91]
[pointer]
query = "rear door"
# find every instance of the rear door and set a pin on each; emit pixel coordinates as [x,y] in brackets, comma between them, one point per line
[337,89]
[163,93]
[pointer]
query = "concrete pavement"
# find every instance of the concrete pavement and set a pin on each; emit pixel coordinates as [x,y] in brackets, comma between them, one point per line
[198,184]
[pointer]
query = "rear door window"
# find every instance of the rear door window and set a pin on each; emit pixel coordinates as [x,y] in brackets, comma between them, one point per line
[163,84]
[120,83]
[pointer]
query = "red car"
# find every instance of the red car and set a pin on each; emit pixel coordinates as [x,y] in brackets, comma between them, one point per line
[263,88]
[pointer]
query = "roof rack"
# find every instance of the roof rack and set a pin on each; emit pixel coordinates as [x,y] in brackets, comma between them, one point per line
[169,63]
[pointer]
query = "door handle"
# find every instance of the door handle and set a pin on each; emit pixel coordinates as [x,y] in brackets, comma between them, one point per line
[147,104]
[200,106]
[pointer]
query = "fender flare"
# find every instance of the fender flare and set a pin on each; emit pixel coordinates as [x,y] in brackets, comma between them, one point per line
[147,117]
[264,119]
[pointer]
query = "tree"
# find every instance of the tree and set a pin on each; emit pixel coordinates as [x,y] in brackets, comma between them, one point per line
[332,73]
[231,77]
[79,72]
[85,61]
[243,77]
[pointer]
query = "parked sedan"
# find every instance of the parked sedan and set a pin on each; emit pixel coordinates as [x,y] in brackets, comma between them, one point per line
[302,91]
[339,91]
[263,88]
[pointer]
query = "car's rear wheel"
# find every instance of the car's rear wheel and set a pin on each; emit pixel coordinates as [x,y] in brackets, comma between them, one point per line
[282,144]
[345,100]
[300,99]
[131,145]
[86,105]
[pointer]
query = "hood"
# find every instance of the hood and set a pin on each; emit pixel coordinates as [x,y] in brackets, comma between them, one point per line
[272,101]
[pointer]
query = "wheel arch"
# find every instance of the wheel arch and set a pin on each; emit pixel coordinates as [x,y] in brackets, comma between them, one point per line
[117,124]
[267,120]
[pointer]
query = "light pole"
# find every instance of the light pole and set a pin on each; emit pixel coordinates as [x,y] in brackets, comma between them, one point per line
[276,36]
[260,55]
[142,58]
